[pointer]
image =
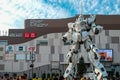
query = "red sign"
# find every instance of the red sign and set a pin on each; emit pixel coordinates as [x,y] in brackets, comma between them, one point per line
[33,35]
[26,35]
[29,35]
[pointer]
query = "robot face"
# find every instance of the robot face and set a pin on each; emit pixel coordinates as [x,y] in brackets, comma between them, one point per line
[83,23]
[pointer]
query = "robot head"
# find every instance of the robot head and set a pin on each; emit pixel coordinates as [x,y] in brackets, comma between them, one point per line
[80,18]
[80,21]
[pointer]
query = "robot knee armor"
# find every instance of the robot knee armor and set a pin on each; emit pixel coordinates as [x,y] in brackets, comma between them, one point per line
[94,48]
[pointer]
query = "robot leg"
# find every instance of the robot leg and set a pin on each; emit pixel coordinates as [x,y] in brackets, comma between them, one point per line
[99,69]
[75,71]
[68,71]
[71,70]
[72,58]
[75,60]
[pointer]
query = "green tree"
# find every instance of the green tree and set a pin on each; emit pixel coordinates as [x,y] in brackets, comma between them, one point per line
[34,75]
[43,76]
[14,75]
[53,74]
[48,75]
[57,74]
[117,74]
[6,75]
[81,67]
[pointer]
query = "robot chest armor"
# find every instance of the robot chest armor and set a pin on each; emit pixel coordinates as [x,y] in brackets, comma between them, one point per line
[76,37]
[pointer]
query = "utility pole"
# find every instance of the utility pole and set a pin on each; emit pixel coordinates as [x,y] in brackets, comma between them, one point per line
[32,65]
[32,62]
[32,58]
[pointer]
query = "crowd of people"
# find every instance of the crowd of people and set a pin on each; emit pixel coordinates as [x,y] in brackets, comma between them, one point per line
[24,77]
[20,77]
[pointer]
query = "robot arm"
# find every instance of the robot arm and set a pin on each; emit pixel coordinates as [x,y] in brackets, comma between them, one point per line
[96,29]
[68,34]
[91,19]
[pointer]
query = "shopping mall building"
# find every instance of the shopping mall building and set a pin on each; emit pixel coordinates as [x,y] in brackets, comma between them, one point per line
[40,43]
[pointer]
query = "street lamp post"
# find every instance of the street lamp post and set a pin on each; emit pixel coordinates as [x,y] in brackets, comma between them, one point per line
[32,57]
[32,60]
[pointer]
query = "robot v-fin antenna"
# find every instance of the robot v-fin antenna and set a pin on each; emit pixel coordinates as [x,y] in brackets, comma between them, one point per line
[80,17]
[81,8]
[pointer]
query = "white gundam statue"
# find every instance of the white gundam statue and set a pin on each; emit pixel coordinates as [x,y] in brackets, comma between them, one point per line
[78,34]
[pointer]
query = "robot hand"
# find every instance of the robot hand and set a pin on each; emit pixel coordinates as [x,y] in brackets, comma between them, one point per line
[97,29]
[64,39]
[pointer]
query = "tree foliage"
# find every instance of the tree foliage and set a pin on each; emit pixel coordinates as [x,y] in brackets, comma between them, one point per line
[43,75]
[81,67]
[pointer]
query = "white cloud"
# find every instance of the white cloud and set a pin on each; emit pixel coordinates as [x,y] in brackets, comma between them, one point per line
[99,6]
[14,12]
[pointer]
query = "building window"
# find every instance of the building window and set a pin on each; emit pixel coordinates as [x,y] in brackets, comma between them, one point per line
[107,46]
[20,57]
[12,35]
[30,57]
[1,57]
[2,66]
[3,42]
[1,48]
[115,40]
[108,39]
[15,34]
[52,49]
[19,34]
[106,32]
[9,56]
[42,42]
[61,56]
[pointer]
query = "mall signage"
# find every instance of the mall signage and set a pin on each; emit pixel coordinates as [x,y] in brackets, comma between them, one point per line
[31,48]
[11,48]
[29,35]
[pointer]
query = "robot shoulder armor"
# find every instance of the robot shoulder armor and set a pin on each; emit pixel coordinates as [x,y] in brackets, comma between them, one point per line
[70,25]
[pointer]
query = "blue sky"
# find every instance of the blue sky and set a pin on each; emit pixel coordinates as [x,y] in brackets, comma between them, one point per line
[14,12]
